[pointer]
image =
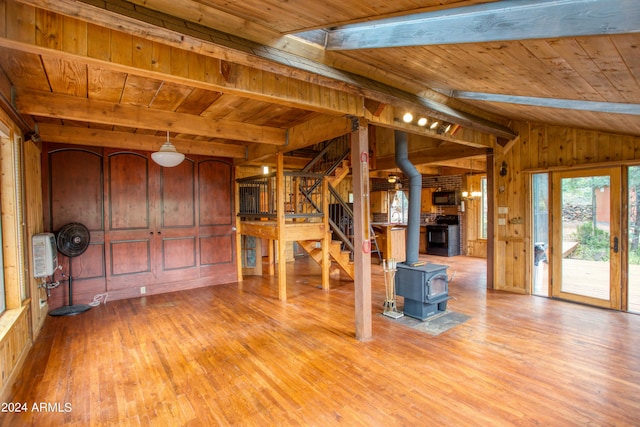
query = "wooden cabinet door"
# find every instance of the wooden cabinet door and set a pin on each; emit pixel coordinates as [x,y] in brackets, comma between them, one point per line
[176,236]
[130,187]
[216,222]
[74,193]
[426,202]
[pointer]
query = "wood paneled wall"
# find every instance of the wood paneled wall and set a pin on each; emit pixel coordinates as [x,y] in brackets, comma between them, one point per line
[473,244]
[542,148]
[17,327]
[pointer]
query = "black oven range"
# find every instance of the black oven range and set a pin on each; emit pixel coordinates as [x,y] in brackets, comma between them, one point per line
[443,237]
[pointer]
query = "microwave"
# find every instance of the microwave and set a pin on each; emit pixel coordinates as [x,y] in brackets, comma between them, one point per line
[439,198]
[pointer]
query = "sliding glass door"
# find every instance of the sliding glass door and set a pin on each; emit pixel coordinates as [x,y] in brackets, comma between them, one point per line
[633,227]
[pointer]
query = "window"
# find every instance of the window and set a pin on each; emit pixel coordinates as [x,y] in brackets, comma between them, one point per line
[398,207]
[484,208]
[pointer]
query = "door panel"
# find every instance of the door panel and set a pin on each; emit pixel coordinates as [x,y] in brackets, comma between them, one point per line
[586,236]
[216,211]
[177,235]
[130,186]
[75,194]
[177,195]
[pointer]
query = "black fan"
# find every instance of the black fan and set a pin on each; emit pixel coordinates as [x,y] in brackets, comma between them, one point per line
[72,241]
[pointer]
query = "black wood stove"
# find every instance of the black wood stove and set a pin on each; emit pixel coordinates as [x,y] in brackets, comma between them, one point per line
[425,289]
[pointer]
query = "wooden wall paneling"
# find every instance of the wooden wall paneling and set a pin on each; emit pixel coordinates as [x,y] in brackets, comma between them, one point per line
[130,194]
[14,347]
[75,194]
[216,220]
[121,48]
[22,25]
[10,204]
[98,42]
[49,29]
[75,35]
[3,18]
[585,148]
[35,224]
[142,56]
[177,234]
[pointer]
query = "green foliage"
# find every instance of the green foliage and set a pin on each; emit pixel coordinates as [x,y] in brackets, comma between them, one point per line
[593,243]
[634,257]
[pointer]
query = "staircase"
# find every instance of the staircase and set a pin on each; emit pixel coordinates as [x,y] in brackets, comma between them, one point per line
[333,162]
[341,256]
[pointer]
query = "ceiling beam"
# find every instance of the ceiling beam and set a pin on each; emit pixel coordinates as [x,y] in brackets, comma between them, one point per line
[131,141]
[53,105]
[349,87]
[432,155]
[318,129]
[566,104]
[495,21]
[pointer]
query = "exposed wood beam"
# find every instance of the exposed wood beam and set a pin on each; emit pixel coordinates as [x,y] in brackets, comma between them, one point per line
[266,58]
[126,140]
[566,104]
[46,104]
[432,155]
[271,87]
[318,129]
[496,21]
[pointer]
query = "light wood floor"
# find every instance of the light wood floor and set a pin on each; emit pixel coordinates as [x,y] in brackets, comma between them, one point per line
[235,355]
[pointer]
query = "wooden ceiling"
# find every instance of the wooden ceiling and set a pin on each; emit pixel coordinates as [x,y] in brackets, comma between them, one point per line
[229,78]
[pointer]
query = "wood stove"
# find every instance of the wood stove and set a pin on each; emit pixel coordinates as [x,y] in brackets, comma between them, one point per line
[425,289]
[443,237]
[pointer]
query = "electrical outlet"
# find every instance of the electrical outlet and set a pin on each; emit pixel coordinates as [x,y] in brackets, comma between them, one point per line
[143,290]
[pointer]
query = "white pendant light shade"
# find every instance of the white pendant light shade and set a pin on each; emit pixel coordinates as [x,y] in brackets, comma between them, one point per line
[167,157]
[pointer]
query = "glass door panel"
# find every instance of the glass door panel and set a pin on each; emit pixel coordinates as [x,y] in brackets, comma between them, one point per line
[633,272]
[540,205]
[586,256]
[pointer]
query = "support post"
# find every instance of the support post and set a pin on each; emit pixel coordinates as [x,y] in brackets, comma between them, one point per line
[491,214]
[326,241]
[282,257]
[361,242]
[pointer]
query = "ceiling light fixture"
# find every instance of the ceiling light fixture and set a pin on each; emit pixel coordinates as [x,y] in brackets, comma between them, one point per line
[434,125]
[407,118]
[422,121]
[167,156]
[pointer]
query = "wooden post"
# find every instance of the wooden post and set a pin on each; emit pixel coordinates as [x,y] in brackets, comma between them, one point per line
[282,256]
[238,233]
[326,241]
[362,254]
[491,215]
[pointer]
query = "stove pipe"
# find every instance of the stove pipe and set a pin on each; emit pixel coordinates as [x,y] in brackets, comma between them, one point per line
[415,193]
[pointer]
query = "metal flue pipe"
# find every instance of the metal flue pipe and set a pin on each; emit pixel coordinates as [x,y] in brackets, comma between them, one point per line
[415,194]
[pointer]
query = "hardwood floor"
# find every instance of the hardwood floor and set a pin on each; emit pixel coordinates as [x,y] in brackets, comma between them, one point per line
[235,355]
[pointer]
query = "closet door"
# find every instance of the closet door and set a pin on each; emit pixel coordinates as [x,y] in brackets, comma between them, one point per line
[216,221]
[176,232]
[131,187]
[73,192]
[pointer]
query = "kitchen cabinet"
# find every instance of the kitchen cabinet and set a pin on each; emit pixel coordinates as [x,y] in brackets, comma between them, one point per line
[426,202]
[379,202]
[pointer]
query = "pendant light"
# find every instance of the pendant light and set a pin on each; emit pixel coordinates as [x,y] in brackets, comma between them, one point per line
[167,157]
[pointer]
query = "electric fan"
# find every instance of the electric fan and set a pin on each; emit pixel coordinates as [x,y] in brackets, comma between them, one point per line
[72,240]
